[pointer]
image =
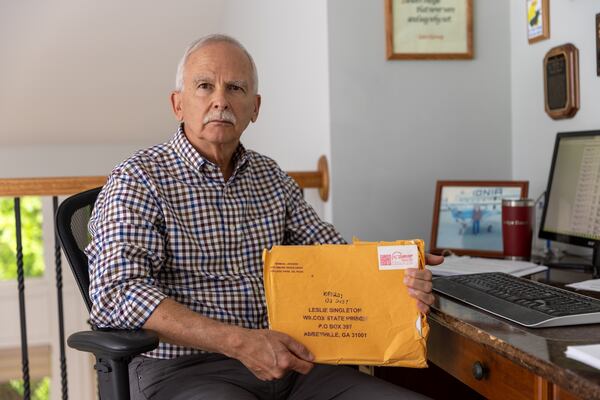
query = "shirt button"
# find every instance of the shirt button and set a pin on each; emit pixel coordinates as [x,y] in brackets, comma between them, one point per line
[232,228]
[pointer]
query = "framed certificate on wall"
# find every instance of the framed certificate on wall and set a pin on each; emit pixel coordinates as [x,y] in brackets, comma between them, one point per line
[434,30]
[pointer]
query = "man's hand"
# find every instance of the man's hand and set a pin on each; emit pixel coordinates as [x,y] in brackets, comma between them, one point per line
[419,283]
[269,354]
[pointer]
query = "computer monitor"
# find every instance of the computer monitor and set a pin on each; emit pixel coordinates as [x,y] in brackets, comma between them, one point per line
[572,208]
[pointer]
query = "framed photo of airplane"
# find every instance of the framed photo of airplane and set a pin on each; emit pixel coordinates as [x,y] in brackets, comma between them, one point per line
[538,20]
[467,216]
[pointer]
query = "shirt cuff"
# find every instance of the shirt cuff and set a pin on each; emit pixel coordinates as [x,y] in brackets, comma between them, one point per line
[130,310]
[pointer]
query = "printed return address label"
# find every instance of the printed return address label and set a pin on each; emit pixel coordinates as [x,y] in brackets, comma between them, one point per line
[397,257]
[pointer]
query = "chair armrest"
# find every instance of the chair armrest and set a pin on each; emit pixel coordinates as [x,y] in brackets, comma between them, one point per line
[114,344]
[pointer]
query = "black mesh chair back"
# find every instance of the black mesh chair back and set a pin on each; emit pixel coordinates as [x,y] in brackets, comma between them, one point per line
[112,348]
[72,219]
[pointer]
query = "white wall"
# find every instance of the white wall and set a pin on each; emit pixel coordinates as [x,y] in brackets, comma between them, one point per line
[533,131]
[89,72]
[398,126]
[88,82]
[288,40]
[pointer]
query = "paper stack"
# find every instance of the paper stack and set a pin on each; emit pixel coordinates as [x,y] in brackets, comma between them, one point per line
[587,354]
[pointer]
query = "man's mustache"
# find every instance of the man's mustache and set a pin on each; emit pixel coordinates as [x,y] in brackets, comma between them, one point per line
[220,116]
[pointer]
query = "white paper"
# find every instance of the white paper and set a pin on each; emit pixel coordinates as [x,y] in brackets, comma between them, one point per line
[588,354]
[456,265]
[419,326]
[591,285]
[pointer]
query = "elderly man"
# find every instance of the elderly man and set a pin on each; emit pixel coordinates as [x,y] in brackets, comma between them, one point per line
[178,232]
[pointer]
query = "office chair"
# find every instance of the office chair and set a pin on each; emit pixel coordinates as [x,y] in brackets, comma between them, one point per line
[112,348]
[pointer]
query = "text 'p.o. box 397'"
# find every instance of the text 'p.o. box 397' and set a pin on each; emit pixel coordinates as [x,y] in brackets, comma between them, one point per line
[347,303]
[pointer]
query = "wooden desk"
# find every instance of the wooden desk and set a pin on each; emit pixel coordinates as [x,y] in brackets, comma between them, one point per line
[517,362]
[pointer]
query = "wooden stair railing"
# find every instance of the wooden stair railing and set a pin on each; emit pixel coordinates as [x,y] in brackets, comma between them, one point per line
[58,186]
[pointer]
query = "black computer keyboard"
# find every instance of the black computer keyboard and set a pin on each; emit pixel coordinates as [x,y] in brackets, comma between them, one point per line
[523,301]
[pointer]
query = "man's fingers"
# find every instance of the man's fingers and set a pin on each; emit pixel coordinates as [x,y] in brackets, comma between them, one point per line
[418,273]
[301,366]
[425,298]
[418,284]
[419,287]
[262,375]
[287,360]
[412,276]
[431,259]
[297,348]
[424,308]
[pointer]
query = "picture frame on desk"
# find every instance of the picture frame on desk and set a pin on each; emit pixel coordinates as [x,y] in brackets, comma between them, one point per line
[467,216]
[441,30]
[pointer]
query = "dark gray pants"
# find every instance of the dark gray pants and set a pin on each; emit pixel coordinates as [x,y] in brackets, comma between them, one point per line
[214,376]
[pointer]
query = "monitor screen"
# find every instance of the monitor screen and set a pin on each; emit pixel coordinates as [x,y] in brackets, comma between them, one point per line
[572,208]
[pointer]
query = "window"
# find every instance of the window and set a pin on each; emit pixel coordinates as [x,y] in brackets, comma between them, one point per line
[14,389]
[31,225]
[11,384]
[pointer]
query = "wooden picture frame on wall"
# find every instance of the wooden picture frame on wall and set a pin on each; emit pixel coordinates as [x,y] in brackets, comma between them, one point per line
[429,31]
[538,20]
[467,216]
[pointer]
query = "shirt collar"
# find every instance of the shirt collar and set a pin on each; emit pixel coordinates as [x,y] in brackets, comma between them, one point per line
[194,159]
[240,159]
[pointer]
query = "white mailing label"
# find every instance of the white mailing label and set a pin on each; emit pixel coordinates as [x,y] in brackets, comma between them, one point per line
[398,257]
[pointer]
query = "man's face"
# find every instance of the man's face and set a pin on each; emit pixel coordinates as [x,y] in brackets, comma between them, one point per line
[218,99]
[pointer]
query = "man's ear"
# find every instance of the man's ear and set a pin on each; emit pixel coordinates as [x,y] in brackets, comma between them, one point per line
[176,105]
[256,108]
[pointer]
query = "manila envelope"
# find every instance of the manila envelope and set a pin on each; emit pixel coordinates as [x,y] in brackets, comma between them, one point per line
[347,303]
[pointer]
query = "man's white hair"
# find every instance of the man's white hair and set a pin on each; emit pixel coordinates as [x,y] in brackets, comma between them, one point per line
[203,41]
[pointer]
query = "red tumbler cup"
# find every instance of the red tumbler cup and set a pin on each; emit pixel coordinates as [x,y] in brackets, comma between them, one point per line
[517,228]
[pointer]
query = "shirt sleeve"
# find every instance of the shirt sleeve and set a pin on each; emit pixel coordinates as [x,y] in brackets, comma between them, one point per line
[125,254]
[303,225]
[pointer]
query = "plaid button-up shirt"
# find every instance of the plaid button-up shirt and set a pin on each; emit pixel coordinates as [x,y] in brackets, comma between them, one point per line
[167,225]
